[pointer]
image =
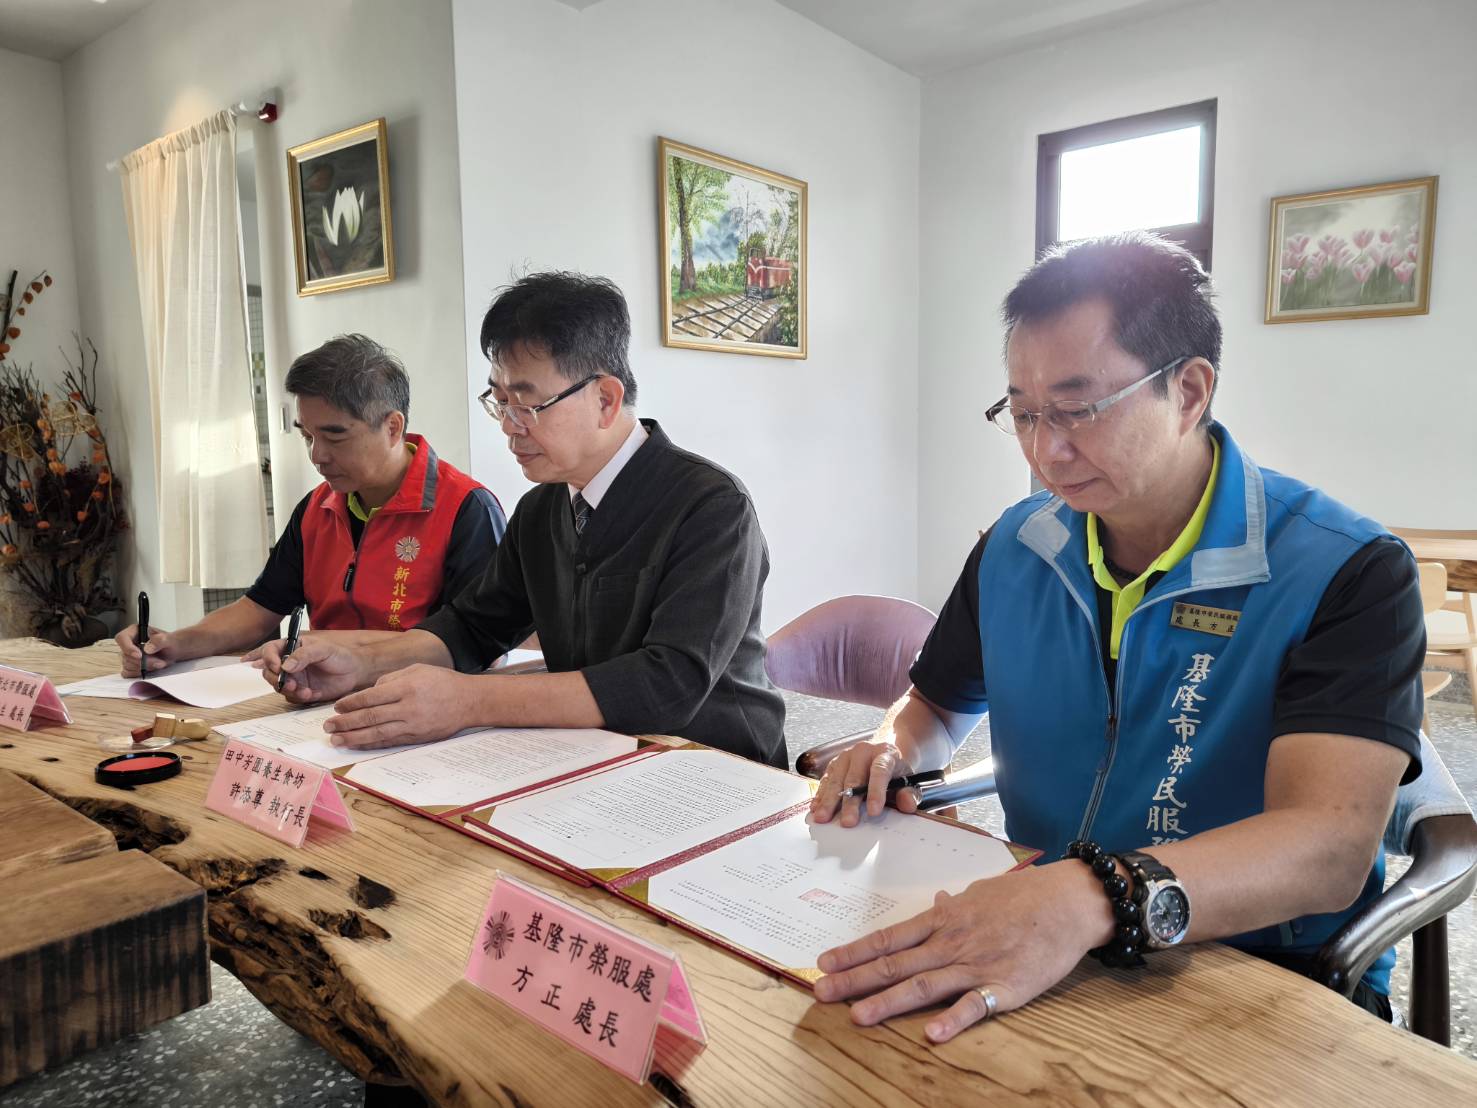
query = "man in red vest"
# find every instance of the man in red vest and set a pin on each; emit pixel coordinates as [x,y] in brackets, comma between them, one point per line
[391,534]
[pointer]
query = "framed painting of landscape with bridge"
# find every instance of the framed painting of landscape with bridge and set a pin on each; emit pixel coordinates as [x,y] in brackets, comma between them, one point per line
[733,255]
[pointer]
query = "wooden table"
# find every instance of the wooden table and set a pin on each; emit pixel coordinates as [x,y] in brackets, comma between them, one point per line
[359,942]
[1457,550]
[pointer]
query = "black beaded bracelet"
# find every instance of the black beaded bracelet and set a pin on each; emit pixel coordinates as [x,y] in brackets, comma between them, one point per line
[1123,950]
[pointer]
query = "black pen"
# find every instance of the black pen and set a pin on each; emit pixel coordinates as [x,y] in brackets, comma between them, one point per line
[912,781]
[292,631]
[143,633]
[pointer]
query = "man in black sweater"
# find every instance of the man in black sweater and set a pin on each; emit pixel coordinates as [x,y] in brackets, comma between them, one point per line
[640,566]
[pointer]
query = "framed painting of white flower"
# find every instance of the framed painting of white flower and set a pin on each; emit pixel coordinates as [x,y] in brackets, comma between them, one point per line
[340,188]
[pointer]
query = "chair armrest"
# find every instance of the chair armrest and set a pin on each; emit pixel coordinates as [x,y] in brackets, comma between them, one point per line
[1442,874]
[814,761]
[959,786]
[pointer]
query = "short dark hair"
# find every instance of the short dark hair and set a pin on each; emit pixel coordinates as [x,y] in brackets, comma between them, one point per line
[356,375]
[580,322]
[1158,292]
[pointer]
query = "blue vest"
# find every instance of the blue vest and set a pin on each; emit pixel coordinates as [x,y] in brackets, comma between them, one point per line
[1180,746]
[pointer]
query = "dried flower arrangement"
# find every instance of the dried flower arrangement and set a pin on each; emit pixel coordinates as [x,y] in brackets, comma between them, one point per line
[61,508]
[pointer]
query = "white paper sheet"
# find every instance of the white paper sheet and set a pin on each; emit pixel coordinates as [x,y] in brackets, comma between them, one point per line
[636,814]
[519,657]
[794,890]
[489,762]
[216,687]
[301,734]
[113,687]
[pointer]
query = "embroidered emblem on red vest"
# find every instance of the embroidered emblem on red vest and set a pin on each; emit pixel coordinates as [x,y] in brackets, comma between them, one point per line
[408,548]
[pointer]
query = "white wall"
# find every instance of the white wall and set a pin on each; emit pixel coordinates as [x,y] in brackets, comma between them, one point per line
[35,234]
[35,225]
[558,117]
[1313,95]
[338,63]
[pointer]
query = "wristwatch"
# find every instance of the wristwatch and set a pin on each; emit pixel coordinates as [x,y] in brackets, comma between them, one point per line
[1164,906]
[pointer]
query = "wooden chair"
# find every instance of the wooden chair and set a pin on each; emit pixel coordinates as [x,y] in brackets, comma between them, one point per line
[1458,644]
[1433,598]
[1457,551]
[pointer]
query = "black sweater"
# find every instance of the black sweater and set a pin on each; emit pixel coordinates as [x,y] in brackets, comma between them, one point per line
[657,603]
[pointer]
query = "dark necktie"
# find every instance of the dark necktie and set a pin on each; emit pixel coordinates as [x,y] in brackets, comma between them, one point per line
[582,512]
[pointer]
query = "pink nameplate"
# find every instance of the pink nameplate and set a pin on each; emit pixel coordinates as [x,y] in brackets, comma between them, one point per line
[598,988]
[274,793]
[25,696]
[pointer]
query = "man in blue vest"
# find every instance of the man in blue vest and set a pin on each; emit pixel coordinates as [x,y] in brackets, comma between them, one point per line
[1203,677]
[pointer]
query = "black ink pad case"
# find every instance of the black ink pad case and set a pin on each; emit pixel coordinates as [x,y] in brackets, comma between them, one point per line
[141,768]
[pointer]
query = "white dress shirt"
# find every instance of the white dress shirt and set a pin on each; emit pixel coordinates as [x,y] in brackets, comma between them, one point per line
[600,484]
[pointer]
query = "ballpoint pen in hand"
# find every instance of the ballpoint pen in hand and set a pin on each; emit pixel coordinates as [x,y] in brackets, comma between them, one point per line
[143,633]
[293,626]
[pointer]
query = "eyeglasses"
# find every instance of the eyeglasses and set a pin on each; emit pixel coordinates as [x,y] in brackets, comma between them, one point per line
[526,415]
[1066,416]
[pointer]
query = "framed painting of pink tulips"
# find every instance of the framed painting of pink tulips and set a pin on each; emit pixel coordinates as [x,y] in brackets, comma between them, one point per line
[340,187]
[1352,253]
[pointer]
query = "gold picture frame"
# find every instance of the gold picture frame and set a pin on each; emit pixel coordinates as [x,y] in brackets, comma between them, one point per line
[339,186]
[733,254]
[1353,253]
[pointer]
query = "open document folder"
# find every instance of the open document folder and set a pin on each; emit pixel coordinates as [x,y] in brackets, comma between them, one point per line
[716,843]
[725,847]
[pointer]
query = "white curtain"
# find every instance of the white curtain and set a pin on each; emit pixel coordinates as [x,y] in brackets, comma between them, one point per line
[185,226]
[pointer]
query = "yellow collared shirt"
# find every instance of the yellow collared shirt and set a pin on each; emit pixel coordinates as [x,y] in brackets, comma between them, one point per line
[357,508]
[1127,597]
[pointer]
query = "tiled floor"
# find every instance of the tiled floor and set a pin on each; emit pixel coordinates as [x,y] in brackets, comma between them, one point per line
[234,1052]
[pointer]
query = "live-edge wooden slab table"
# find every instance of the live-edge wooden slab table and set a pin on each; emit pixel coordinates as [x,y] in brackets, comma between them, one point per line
[359,942]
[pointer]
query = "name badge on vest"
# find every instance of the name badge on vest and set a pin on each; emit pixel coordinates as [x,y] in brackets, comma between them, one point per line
[1213,621]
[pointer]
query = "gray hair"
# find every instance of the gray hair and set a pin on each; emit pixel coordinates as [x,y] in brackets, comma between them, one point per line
[356,375]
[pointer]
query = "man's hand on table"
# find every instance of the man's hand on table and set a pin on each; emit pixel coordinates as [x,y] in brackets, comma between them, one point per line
[1017,935]
[417,704]
[872,764]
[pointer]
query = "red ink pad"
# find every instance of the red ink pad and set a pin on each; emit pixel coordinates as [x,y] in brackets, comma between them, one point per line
[142,768]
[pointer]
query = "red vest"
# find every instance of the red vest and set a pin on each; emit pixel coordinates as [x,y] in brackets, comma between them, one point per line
[394,579]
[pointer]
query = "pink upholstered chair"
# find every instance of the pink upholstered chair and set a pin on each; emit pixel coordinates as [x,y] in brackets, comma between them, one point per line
[858,649]
[854,648]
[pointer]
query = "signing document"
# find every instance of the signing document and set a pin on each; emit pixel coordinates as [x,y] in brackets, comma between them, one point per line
[481,765]
[795,889]
[470,767]
[300,734]
[725,847]
[201,682]
[646,809]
